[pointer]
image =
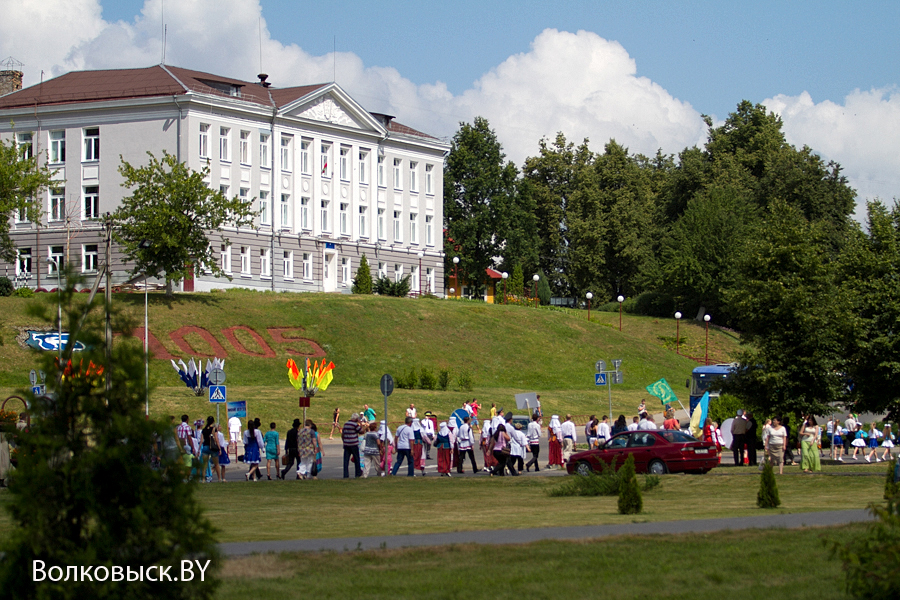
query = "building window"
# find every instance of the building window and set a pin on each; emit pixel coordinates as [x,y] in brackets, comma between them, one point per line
[245,147]
[245,260]
[304,156]
[244,194]
[429,280]
[91,144]
[304,213]
[286,142]
[57,147]
[381,235]
[345,271]
[264,208]
[265,262]
[287,263]
[89,258]
[398,182]
[204,140]
[362,221]
[363,166]
[429,230]
[345,163]
[415,279]
[413,230]
[57,204]
[380,171]
[307,266]
[57,257]
[223,189]
[413,176]
[398,235]
[23,264]
[382,270]
[225,257]
[285,211]
[398,272]
[345,218]
[264,150]
[224,144]
[26,145]
[324,211]
[324,160]
[91,202]
[429,180]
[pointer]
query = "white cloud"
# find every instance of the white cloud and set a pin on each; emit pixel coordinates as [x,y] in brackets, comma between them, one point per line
[862,134]
[577,83]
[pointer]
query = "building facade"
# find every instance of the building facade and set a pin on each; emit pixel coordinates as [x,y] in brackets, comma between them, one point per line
[328,180]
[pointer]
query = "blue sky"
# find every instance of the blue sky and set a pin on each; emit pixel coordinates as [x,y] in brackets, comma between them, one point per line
[640,72]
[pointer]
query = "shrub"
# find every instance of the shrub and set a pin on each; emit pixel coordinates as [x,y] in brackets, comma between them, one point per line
[464,381]
[655,304]
[767,497]
[410,379]
[891,486]
[386,287]
[543,289]
[23,292]
[6,286]
[870,561]
[427,380]
[443,379]
[630,500]
[606,483]
[362,283]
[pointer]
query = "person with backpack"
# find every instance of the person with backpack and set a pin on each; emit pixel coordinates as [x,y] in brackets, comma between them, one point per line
[209,448]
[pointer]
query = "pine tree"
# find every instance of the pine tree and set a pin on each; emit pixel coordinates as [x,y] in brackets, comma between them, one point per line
[767,497]
[630,500]
[516,282]
[543,289]
[362,283]
[891,486]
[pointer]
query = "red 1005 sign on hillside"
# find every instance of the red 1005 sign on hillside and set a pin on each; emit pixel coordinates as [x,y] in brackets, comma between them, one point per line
[250,343]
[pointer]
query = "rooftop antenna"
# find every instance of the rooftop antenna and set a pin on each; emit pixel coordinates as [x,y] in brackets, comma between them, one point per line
[334,59]
[259,29]
[162,23]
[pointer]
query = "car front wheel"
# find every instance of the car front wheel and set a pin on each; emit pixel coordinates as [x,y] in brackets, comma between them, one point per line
[583,469]
[657,467]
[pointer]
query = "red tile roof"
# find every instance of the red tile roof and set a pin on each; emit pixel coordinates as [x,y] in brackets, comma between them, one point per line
[493,274]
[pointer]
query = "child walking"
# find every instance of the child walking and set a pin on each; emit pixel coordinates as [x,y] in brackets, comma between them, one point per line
[837,443]
[859,442]
[873,443]
[888,442]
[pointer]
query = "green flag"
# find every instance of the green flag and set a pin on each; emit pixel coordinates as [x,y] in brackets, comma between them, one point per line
[661,390]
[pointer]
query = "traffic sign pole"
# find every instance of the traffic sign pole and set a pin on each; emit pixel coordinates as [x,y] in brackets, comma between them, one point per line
[387,387]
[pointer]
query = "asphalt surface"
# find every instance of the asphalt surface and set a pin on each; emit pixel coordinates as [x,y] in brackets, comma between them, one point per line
[524,536]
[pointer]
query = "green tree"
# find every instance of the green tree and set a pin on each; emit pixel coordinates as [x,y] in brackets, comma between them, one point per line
[631,502]
[543,289]
[767,496]
[516,282]
[85,493]
[176,210]
[362,283]
[22,179]
[481,208]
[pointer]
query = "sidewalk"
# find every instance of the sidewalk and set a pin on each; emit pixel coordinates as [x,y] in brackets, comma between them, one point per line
[524,536]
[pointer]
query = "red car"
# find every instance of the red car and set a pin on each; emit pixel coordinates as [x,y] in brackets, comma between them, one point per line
[657,451]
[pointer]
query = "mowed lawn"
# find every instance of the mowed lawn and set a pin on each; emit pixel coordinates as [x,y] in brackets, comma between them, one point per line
[737,565]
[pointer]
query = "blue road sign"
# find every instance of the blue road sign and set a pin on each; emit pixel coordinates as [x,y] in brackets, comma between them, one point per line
[599,378]
[217,394]
[237,409]
[37,390]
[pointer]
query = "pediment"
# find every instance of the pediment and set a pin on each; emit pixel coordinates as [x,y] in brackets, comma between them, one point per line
[328,109]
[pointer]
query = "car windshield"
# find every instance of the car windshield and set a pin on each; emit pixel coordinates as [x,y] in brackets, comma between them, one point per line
[618,442]
[671,435]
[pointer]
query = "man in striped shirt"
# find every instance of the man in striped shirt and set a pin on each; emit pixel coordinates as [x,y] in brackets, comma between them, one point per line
[350,437]
[185,435]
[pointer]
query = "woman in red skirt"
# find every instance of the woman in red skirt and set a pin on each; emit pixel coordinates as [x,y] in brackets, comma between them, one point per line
[444,445]
[554,434]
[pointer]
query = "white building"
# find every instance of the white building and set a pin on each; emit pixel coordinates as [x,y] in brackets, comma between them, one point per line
[329,180]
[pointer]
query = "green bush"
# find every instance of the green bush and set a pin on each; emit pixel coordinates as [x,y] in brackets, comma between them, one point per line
[655,304]
[543,289]
[23,292]
[386,287]
[606,483]
[6,287]
[443,380]
[427,380]
[464,381]
[870,561]
[891,487]
[362,283]
[630,500]
[767,496]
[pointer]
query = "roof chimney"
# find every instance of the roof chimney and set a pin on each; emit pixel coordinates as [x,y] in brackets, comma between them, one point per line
[10,76]
[262,80]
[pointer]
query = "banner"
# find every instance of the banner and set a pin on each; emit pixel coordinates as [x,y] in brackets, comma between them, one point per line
[661,390]
[237,409]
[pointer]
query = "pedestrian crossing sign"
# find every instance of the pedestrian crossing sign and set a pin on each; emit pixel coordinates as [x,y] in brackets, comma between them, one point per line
[217,394]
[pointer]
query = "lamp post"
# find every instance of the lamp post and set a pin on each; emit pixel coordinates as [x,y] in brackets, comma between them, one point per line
[589,296]
[451,291]
[55,263]
[677,332]
[145,245]
[420,254]
[620,299]
[505,276]
[534,288]
[707,318]
[455,274]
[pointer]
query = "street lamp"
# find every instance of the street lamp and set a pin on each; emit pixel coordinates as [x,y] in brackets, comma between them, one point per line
[505,276]
[451,291]
[534,288]
[145,245]
[420,254]
[455,273]
[620,299]
[707,318]
[55,263]
[677,332]
[589,296]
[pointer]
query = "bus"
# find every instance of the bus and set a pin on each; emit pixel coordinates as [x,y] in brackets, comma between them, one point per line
[703,378]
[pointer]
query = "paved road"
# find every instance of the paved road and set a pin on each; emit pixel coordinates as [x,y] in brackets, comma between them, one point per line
[522,536]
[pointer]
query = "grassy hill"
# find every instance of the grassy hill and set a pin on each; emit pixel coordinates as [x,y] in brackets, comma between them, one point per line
[504,349]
